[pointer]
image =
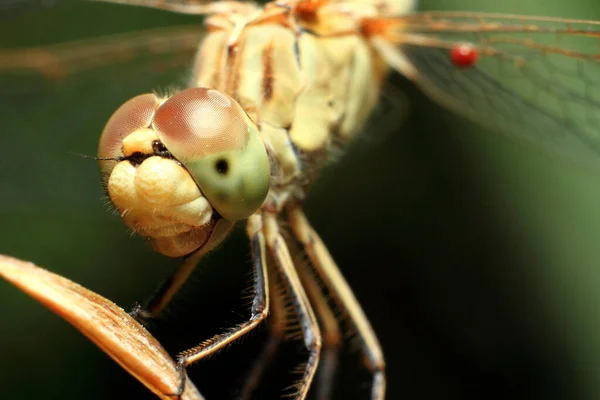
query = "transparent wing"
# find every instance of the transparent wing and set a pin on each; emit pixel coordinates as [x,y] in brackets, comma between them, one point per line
[10,8]
[536,78]
[192,7]
[56,98]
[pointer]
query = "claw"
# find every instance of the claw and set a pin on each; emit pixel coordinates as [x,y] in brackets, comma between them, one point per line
[140,314]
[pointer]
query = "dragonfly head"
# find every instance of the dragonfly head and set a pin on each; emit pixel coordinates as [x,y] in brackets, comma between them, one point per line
[178,169]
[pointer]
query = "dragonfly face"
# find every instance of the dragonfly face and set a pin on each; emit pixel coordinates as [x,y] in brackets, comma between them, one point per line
[180,170]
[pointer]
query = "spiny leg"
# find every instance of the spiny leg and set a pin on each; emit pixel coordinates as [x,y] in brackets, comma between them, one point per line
[260,303]
[277,326]
[332,337]
[167,290]
[308,322]
[333,279]
[278,322]
[171,286]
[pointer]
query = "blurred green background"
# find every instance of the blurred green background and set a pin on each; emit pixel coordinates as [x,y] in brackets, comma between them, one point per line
[475,257]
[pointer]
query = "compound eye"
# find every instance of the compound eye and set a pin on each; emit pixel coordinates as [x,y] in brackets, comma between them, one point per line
[135,114]
[211,135]
[198,121]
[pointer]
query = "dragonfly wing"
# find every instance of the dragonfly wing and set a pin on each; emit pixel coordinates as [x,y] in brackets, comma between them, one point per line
[192,7]
[10,8]
[51,117]
[536,79]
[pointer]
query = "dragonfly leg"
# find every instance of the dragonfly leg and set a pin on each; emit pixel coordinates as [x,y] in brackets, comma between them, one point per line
[167,290]
[332,337]
[331,276]
[260,303]
[277,326]
[308,322]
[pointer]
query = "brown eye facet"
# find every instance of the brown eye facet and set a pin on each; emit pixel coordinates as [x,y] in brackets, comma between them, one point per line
[135,114]
[199,121]
[213,137]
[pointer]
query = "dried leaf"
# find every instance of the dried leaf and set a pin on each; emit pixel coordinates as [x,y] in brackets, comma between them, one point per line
[104,323]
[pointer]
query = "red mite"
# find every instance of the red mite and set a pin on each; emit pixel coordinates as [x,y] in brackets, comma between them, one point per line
[463,55]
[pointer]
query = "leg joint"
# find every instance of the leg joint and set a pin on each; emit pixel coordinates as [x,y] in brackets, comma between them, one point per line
[260,314]
[314,341]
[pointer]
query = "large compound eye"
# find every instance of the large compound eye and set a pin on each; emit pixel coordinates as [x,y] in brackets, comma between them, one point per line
[135,114]
[211,135]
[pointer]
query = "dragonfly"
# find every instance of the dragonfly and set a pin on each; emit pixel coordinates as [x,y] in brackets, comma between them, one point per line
[274,91]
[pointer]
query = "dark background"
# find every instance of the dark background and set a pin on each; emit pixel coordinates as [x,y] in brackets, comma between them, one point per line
[476,258]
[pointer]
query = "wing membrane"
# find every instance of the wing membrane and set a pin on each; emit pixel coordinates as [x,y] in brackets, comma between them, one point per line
[536,78]
[192,7]
[175,44]
[47,116]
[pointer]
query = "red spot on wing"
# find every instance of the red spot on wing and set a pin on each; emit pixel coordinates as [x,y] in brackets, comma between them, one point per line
[464,55]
